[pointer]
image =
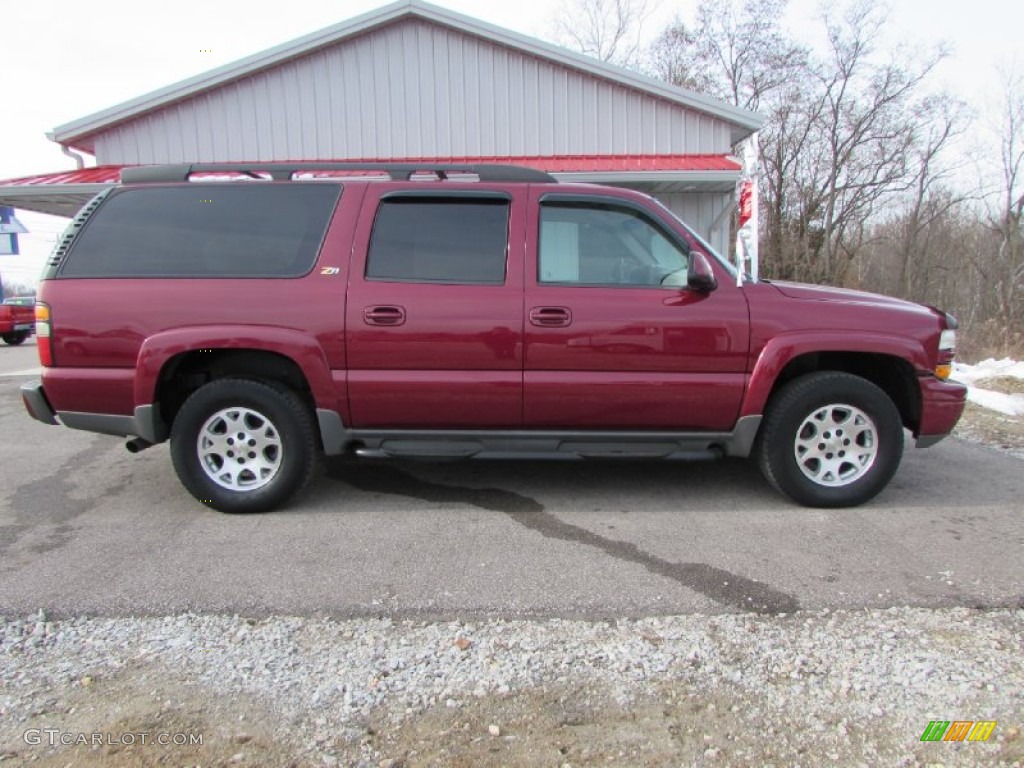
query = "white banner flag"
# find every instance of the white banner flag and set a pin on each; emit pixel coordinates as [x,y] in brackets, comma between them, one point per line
[747,203]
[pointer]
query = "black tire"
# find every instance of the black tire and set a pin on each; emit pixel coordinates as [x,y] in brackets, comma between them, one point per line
[14,339]
[830,439]
[280,445]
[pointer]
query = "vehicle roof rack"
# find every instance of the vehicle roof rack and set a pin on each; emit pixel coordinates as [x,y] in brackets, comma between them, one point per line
[152,174]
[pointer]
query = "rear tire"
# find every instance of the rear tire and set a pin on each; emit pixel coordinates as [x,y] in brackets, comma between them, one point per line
[14,339]
[243,446]
[830,439]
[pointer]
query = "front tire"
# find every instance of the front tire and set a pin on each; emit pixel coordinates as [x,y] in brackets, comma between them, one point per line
[14,339]
[243,446]
[830,439]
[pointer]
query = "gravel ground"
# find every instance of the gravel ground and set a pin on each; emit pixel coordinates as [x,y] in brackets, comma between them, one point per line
[842,688]
[993,430]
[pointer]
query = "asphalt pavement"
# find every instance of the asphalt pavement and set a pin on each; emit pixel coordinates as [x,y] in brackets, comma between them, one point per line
[88,529]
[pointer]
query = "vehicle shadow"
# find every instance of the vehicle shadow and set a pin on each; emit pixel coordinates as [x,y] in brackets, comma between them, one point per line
[689,482]
[953,474]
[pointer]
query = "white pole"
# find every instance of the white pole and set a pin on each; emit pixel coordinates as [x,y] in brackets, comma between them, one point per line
[747,200]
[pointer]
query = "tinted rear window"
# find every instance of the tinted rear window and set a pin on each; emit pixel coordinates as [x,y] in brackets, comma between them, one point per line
[439,240]
[205,230]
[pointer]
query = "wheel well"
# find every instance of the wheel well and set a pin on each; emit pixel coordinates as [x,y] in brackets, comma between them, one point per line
[183,374]
[892,375]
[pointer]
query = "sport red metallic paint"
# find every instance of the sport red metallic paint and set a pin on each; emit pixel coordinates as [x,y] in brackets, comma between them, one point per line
[627,353]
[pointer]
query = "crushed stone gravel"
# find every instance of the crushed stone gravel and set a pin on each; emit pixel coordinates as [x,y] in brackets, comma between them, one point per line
[812,682]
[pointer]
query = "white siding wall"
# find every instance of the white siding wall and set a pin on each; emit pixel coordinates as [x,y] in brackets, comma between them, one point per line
[705,212]
[412,89]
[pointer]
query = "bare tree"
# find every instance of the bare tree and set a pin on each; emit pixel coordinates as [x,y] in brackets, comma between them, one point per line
[790,160]
[736,50]
[942,246]
[867,129]
[609,30]
[673,58]
[931,197]
[1006,214]
[15,288]
[746,46]
[863,131]
[859,183]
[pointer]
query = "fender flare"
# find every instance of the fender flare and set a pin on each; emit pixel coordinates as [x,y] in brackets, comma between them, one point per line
[783,349]
[298,346]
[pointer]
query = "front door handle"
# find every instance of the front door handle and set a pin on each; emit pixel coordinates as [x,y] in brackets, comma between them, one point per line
[550,317]
[384,315]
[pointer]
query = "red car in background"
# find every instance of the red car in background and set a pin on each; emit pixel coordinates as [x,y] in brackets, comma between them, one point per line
[17,319]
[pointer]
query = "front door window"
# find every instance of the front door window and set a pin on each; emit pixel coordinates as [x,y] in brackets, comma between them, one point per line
[605,245]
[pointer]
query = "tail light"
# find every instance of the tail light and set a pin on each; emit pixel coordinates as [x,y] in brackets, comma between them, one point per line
[44,334]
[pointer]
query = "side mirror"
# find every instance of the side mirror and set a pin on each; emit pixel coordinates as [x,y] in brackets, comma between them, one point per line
[699,276]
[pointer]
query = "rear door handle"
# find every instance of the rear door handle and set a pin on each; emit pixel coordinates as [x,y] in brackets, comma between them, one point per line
[550,317]
[384,315]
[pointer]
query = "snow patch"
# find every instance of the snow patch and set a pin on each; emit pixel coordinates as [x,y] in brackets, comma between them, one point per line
[1010,405]
[988,369]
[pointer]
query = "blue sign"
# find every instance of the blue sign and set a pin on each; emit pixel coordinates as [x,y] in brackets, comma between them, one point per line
[10,228]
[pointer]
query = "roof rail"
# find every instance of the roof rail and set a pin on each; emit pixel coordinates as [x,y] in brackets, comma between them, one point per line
[151,174]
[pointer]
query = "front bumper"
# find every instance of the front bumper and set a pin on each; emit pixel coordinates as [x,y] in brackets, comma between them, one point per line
[36,404]
[942,404]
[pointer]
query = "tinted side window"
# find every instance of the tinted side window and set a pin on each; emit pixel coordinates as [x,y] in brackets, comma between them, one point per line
[598,244]
[439,240]
[205,230]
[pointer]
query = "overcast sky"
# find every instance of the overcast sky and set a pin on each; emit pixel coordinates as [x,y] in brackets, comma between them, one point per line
[65,59]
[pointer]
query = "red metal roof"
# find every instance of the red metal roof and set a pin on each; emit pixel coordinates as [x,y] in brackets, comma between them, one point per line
[103,174]
[111,174]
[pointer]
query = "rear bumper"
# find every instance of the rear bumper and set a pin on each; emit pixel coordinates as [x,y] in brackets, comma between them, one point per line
[143,423]
[36,404]
[942,404]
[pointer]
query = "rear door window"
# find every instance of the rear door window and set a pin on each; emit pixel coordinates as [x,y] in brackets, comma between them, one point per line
[461,240]
[225,229]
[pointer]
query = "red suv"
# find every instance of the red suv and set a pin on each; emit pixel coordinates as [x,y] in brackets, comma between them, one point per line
[257,315]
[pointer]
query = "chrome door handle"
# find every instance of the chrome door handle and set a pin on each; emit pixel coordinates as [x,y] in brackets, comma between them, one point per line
[550,317]
[384,315]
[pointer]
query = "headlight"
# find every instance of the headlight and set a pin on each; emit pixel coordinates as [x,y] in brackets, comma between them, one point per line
[947,351]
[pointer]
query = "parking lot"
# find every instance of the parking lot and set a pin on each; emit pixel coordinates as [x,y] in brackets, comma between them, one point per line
[87,528]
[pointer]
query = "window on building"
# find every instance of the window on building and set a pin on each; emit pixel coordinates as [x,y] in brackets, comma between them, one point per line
[440,240]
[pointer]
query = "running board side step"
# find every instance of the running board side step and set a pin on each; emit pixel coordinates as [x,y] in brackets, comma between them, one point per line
[550,444]
[437,452]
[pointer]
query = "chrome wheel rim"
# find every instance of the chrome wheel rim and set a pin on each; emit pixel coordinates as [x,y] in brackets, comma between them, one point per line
[836,445]
[239,449]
